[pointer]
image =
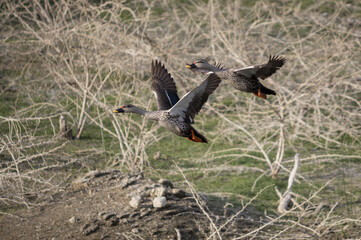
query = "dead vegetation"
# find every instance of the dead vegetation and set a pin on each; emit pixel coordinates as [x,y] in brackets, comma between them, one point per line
[81,59]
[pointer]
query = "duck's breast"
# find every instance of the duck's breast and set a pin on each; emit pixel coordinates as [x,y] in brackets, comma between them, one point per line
[175,125]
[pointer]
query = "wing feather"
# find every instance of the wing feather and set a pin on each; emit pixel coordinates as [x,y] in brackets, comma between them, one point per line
[265,70]
[192,102]
[163,86]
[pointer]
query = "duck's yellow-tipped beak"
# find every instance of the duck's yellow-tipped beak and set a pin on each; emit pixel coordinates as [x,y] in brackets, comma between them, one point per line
[119,110]
[191,66]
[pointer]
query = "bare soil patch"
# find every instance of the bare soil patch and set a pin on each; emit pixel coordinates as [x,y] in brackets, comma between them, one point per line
[98,207]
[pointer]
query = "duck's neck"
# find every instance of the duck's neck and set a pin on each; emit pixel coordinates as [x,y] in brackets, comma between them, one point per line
[154,115]
[139,111]
[150,115]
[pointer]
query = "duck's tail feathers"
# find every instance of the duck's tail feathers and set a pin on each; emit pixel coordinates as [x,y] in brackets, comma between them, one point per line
[263,92]
[197,137]
[267,91]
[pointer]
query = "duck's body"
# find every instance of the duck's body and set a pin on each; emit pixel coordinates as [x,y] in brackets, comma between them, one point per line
[243,79]
[172,123]
[246,84]
[173,114]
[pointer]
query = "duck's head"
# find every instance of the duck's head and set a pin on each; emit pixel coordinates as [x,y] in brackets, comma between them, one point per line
[200,65]
[125,108]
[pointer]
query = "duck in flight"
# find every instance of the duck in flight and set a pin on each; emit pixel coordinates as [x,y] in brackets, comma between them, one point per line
[174,114]
[244,79]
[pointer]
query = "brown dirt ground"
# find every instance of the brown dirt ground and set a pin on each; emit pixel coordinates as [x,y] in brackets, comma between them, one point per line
[97,207]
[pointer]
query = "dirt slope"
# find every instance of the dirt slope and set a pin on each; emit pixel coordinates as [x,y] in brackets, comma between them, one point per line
[98,206]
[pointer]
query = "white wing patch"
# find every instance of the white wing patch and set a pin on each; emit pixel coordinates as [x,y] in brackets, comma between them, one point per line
[170,102]
[156,96]
[247,71]
[245,68]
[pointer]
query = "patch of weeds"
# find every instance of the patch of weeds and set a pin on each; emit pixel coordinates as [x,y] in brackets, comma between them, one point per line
[158,10]
[126,16]
[248,161]
[242,185]
[11,207]
[306,4]
[105,15]
[160,163]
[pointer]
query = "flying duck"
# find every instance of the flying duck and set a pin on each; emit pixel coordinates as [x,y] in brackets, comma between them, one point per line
[174,114]
[244,79]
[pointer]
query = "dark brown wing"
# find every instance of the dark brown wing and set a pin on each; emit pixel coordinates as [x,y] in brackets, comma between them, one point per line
[192,102]
[163,86]
[266,70]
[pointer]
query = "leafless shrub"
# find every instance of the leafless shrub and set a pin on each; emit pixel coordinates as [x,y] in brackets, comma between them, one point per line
[94,57]
[84,55]
[22,174]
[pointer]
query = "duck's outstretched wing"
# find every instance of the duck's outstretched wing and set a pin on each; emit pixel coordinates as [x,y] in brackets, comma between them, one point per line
[163,86]
[191,103]
[263,71]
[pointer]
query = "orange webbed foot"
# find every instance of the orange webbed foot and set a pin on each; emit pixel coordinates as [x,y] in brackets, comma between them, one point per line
[260,94]
[194,137]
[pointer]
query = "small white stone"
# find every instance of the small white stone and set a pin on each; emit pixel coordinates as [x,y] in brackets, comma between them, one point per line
[135,202]
[72,220]
[159,202]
